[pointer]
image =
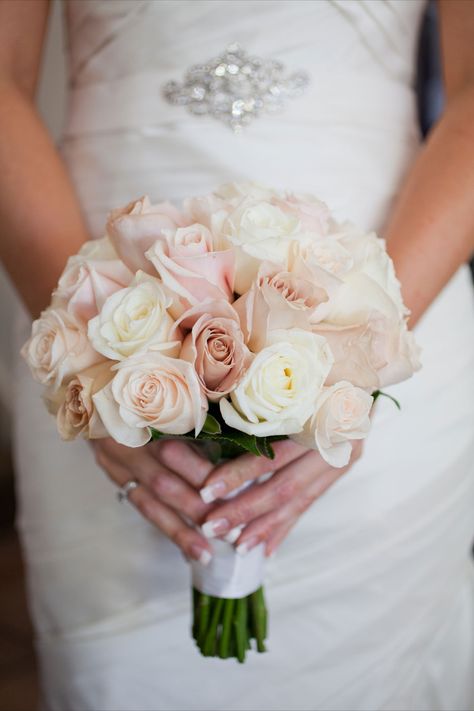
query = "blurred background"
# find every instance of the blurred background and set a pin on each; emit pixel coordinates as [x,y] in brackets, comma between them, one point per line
[18,674]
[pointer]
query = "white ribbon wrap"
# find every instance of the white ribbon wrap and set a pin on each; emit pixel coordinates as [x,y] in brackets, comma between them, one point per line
[229,574]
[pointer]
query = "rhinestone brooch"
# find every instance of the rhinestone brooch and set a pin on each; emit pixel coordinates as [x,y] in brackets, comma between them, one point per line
[235,87]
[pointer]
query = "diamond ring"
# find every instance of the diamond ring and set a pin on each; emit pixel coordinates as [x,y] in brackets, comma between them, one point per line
[127,488]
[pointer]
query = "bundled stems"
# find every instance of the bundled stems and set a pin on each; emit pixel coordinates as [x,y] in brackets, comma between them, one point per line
[225,627]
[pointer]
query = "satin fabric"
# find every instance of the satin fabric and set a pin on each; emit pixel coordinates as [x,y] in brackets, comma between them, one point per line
[372,594]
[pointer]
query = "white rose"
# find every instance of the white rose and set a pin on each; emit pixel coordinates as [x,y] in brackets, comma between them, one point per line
[278,392]
[58,348]
[134,319]
[259,231]
[151,390]
[234,192]
[342,414]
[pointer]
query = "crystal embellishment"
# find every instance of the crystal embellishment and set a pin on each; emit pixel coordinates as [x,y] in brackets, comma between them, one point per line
[236,87]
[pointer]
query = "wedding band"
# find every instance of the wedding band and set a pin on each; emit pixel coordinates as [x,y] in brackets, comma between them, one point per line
[127,488]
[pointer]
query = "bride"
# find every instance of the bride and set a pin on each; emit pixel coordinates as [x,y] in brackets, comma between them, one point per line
[372,592]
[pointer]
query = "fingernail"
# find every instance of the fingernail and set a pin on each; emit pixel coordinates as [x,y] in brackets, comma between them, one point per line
[201,554]
[213,491]
[246,546]
[211,529]
[233,534]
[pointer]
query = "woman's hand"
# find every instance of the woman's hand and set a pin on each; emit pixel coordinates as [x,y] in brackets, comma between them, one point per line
[268,510]
[169,474]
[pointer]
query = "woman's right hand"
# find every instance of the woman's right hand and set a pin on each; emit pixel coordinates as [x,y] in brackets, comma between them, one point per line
[168,499]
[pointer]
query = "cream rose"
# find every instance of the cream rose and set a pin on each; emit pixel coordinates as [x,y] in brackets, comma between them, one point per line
[215,346]
[134,319]
[73,406]
[278,392]
[191,269]
[258,231]
[134,228]
[89,278]
[58,348]
[151,390]
[341,414]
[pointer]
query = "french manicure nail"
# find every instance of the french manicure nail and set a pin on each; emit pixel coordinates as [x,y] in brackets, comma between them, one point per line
[213,491]
[246,546]
[233,534]
[211,529]
[201,554]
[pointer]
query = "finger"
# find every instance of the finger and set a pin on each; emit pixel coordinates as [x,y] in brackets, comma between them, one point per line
[278,536]
[163,483]
[231,475]
[266,528]
[190,541]
[183,460]
[263,498]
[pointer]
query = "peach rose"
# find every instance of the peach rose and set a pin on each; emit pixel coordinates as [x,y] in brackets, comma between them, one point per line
[73,405]
[89,278]
[151,390]
[341,414]
[278,299]
[191,269]
[134,228]
[215,346]
[58,348]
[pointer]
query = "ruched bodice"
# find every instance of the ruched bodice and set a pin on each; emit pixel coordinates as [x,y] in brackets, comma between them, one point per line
[349,135]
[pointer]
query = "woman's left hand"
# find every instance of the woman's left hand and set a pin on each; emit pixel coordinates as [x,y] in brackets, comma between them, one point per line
[268,510]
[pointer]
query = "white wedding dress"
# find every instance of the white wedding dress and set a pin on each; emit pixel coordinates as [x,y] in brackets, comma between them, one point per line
[372,595]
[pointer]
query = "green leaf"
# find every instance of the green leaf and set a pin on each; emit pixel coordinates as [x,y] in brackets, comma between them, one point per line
[211,425]
[378,393]
[265,448]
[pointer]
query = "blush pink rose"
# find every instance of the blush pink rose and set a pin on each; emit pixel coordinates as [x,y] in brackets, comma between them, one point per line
[134,228]
[278,300]
[215,346]
[313,214]
[191,269]
[89,278]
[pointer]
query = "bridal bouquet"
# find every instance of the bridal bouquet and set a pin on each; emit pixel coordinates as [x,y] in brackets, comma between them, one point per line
[247,315]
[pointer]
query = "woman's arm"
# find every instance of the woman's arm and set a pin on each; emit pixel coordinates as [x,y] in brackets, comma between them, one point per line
[431,230]
[430,234]
[40,220]
[40,227]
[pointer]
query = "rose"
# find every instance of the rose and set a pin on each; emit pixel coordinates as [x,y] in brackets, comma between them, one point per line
[191,269]
[341,414]
[372,353]
[278,299]
[73,406]
[320,258]
[277,394]
[134,319]
[58,347]
[258,231]
[134,228]
[215,346]
[234,192]
[369,255]
[151,390]
[313,214]
[89,278]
